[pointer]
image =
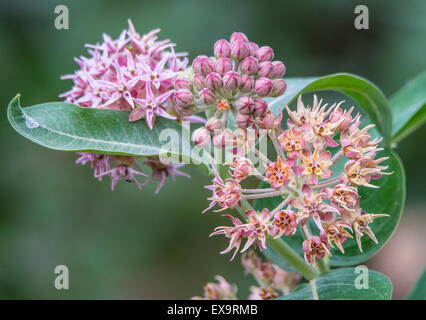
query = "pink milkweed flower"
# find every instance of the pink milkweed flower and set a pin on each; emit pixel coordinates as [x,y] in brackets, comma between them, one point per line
[257,228]
[311,204]
[99,162]
[285,222]
[316,164]
[152,105]
[285,281]
[337,234]
[161,171]
[292,141]
[278,174]
[361,225]
[222,290]
[241,168]
[225,194]
[233,233]
[360,172]
[344,196]
[315,248]
[123,171]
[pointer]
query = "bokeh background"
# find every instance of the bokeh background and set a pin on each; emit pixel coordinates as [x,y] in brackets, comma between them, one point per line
[131,243]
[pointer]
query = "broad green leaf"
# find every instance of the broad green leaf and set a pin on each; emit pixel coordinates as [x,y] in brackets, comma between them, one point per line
[68,127]
[408,107]
[388,198]
[419,291]
[366,94]
[339,284]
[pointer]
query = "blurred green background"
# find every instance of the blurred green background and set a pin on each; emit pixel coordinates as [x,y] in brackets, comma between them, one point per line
[134,244]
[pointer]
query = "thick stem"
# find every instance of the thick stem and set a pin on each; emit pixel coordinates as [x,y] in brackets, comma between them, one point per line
[286,252]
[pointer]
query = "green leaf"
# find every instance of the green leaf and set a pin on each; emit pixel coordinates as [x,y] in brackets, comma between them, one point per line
[408,107]
[68,127]
[339,284]
[366,94]
[388,198]
[419,291]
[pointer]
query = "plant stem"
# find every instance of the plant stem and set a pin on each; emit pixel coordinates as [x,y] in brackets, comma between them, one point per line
[285,251]
[262,195]
[322,265]
[277,147]
[257,190]
[314,289]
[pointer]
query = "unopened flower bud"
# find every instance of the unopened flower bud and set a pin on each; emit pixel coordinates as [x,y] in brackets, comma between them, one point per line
[260,107]
[221,139]
[278,70]
[214,81]
[182,97]
[263,87]
[201,137]
[245,104]
[268,120]
[231,80]
[137,114]
[239,50]
[249,66]
[238,36]
[207,96]
[265,53]
[223,65]
[252,48]
[222,48]
[214,124]
[182,83]
[265,68]
[243,120]
[246,83]
[278,87]
[203,65]
[199,82]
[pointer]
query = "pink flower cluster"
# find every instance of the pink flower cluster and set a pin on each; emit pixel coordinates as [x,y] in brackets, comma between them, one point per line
[307,180]
[136,73]
[235,80]
[272,281]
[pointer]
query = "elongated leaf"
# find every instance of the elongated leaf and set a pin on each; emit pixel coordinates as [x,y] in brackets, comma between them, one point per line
[366,94]
[419,291]
[342,284]
[388,198]
[68,127]
[408,107]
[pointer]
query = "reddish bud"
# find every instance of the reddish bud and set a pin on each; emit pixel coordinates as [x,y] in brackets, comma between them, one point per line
[265,53]
[243,120]
[245,104]
[231,80]
[207,96]
[222,48]
[263,87]
[278,70]
[223,65]
[220,140]
[239,50]
[265,68]
[249,65]
[252,48]
[182,97]
[246,83]
[214,124]
[182,83]
[203,65]
[278,87]
[199,82]
[137,114]
[268,120]
[260,107]
[214,81]
[201,137]
[238,36]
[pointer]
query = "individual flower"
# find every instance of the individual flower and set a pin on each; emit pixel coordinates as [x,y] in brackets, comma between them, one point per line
[161,170]
[285,222]
[222,290]
[344,196]
[258,293]
[233,233]
[316,165]
[337,234]
[315,248]
[241,168]
[292,140]
[278,174]
[225,194]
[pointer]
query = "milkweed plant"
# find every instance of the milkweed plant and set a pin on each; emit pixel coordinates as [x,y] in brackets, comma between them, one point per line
[308,187]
